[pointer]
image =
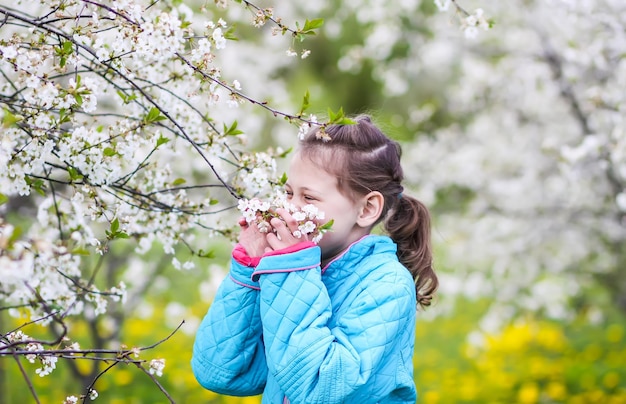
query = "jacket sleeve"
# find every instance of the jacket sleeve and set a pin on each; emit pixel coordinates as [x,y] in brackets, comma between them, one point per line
[313,360]
[228,355]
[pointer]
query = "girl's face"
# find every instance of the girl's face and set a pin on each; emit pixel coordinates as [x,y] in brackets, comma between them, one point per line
[309,184]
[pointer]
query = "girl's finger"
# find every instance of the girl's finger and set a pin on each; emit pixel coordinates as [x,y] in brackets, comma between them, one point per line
[279,226]
[274,242]
[291,223]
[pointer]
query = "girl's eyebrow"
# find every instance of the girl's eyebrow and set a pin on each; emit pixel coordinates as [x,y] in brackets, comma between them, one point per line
[307,189]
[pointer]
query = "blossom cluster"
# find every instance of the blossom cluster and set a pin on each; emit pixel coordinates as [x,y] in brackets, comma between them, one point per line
[48,361]
[471,23]
[102,107]
[309,218]
[156,367]
[84,138]
[117,124]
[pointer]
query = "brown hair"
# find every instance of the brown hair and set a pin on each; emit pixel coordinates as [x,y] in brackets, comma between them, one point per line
[365,160]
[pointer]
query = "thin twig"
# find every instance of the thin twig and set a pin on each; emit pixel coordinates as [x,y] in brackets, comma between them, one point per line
[93,383]
[31,388]
[151,376]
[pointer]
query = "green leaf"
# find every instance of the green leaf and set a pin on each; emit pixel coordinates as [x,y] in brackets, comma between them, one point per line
[283,179]
[115,231]
[327,225]
[115,225]
[178,181]
[309,28]
[80,251]
[346,121]
[126,98]
[17,233]
[109,151]
[9,119]
[335,117]
[207,254]
[37,184]
[67,48]
[230,34]
[64,117]
[232,131]
[162,140]
[339,118]
[213,201]
[74,174]
[154,115]
[285,153]
[313,24]
[3,199]
[305,103]
[63,52]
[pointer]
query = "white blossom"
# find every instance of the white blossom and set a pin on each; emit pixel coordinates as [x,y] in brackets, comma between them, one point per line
[156,367]
[308,217]
[71,400]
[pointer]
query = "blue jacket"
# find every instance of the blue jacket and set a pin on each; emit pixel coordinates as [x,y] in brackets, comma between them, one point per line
[300,334]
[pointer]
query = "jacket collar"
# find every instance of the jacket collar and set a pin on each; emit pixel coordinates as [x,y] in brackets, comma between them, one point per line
[360,249]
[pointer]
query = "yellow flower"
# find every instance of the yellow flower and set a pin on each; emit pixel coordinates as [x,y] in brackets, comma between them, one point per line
[528,393]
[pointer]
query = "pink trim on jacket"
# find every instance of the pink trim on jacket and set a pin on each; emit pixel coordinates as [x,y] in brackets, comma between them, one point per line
[291,249]
[256,274]
[241,256]
[244,284]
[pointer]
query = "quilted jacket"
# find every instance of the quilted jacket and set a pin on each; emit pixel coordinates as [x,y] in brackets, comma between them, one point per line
[302,334]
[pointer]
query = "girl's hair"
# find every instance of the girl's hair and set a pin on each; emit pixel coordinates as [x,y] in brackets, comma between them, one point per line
[363,159]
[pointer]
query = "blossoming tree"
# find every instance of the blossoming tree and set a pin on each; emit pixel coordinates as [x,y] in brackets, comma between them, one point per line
[122,123]
[117,124]
[516,140]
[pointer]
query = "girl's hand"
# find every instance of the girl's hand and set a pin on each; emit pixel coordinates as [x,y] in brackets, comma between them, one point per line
[284,231]
[252,239]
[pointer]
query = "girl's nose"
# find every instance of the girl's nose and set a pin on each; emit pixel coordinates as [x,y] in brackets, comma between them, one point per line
[298,202]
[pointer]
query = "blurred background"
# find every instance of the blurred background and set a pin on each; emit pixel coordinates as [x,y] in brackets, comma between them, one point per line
[514,136]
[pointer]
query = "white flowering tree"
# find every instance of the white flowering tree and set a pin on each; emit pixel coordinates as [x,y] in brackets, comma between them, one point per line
[530,176]
[118,124]
[519,143]
[122,125]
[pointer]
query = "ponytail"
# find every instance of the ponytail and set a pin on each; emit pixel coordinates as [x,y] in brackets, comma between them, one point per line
[408,224]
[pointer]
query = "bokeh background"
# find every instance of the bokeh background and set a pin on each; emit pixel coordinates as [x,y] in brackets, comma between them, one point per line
[513,136]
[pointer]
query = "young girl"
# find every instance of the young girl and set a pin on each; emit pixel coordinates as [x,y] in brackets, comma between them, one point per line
[333,322]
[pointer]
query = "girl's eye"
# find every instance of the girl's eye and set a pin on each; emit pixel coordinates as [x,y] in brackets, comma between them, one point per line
[289,194]
[309,198]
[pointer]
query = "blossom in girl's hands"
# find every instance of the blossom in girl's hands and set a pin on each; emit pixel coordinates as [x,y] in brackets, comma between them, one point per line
[309,217]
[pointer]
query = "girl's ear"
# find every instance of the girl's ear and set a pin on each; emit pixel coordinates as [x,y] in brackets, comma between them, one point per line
[371,208]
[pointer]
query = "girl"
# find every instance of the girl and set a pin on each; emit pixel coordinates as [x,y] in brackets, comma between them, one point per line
[333,322]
